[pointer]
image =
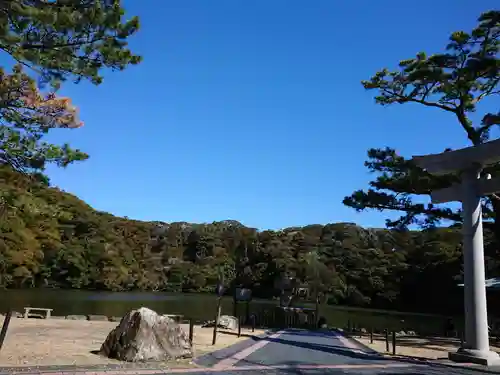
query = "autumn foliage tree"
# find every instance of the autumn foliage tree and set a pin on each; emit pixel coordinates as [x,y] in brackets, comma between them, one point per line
[51,42]
[456,81]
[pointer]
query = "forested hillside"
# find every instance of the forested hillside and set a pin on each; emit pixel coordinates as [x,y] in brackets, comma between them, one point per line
[51,238]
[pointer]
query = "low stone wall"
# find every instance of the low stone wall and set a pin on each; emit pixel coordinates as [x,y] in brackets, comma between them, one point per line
[95,318]
[99,318]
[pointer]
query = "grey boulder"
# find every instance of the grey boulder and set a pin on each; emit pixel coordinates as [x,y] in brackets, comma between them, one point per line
[225,322]
[144,335]
[228,322]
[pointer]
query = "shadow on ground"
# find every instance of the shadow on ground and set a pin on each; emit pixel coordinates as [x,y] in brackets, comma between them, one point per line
[248,335]
[330,349]
[424,366]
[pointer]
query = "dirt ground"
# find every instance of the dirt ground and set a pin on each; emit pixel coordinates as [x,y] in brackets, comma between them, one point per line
[428,348]
[39,342]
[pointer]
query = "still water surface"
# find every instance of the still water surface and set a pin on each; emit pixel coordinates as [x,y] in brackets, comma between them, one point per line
[78,302]
[195,306]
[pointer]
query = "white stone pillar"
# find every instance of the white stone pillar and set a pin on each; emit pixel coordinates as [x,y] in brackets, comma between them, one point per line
[476,346]
[476,316]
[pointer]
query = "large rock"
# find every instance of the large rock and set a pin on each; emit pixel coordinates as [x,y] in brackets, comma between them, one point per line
[143,335]
[228,322]
[225,322]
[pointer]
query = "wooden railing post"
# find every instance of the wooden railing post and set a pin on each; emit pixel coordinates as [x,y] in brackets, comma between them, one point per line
[240,320]
[387,349]
[191,330]
[216,320]
[393,342]
[5,327]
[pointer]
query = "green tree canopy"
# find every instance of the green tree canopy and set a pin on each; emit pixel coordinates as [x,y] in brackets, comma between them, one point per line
[455,81]
[51,42]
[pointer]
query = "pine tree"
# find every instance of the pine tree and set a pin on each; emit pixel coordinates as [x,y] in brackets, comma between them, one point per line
[51,42]
[455,81]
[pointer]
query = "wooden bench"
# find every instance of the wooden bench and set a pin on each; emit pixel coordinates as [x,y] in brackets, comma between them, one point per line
[28,310]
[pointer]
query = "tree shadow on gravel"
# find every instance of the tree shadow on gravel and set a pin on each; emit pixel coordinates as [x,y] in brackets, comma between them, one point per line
[424,366]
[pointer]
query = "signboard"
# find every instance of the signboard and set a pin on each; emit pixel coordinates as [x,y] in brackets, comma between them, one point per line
[243,294]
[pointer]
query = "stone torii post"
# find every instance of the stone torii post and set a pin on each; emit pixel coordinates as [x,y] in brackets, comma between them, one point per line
[469,163]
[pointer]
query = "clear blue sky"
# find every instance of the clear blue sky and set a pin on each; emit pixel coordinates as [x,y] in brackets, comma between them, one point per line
[254,111]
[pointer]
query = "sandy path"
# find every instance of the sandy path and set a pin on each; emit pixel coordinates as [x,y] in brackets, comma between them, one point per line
[32,342]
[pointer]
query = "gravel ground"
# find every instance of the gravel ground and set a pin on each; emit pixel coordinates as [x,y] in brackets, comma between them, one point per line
[428,347]
[45,342]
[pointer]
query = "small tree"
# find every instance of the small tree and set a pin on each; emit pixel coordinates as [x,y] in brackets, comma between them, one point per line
[456,82]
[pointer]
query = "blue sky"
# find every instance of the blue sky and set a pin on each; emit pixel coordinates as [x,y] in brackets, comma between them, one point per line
[253,110]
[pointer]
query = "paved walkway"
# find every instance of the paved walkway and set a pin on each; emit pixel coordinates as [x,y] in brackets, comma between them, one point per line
[314,352]
[293,352]
[301,347]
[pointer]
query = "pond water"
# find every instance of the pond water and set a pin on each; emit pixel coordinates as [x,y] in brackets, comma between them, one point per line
[199,307]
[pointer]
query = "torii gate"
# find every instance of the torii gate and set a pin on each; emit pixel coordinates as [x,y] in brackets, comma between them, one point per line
[469,163]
